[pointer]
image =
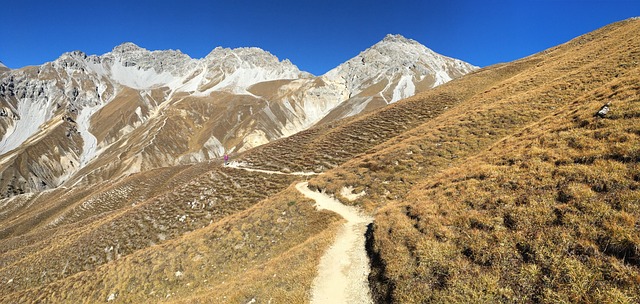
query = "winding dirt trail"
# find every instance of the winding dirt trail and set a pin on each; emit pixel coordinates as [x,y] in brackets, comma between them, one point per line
[344,269]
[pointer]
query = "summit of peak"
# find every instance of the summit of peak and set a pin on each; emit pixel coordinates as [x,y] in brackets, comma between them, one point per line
[222,51]
[246,55]
[396,55]
[126,48]
[397,38]
[75,54]
[397,44]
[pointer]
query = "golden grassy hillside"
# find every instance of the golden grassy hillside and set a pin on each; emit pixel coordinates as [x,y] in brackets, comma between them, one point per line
[268,252]
[549,214]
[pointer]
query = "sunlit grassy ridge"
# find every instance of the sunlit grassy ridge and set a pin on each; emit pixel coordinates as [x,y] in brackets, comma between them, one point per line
[548,210]
[550,214]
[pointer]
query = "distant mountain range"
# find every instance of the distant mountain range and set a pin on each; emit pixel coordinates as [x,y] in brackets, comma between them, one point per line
[82,117]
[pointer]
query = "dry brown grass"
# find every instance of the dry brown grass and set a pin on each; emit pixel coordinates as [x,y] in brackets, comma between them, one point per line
[272,247]
[545,210]
[536,218]
[69,236]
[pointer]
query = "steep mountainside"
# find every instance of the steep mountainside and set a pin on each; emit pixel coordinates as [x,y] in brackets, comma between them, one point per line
[82,119]
[499,186]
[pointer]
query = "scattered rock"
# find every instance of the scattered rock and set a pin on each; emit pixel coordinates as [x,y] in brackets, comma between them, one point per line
[112,297]
[604,110]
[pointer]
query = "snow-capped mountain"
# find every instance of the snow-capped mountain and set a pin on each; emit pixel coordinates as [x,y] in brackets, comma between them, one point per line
[86,118]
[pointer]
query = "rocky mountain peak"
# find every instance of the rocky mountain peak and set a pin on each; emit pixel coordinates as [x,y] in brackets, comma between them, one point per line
[246,57]
[391,53]
[131,50]
[397,38]
[127,47]
[74,58]
[396,56]
[131,55]
[397,46]
[235,61]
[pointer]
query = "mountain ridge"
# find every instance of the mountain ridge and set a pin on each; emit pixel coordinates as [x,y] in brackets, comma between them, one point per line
[89,103]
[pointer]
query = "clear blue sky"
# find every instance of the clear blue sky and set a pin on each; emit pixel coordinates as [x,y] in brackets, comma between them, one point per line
[315,35]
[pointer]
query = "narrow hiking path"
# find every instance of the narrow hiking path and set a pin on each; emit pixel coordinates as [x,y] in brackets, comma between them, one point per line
[344,268]
[242,166]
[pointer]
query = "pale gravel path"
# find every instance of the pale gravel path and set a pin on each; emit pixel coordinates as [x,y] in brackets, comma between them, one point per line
[344,269]
[242,166]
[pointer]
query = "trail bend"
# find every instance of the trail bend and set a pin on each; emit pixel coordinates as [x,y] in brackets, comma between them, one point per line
[344,268]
